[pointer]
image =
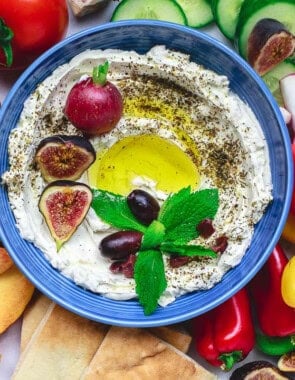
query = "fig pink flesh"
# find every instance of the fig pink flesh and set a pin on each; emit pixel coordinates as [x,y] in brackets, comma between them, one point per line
[62,161]
[269,43]
[64,205]
[65,210]
[278,48]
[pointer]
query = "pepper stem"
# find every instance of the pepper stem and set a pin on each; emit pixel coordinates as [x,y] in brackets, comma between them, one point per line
[99,74]
[6,35]
[230,359]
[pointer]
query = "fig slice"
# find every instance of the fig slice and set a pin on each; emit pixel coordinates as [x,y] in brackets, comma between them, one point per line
[64,157]
[256,370]
[269,43]
[286,362]
[64,205]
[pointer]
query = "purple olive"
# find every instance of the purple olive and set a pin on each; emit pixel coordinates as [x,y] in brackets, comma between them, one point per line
[143,206]
[120,245]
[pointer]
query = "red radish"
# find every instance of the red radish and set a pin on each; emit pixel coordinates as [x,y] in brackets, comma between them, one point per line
[286,115]
[287,86]
[94,105]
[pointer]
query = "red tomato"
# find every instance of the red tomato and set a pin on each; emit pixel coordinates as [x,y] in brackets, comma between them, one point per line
[36,26]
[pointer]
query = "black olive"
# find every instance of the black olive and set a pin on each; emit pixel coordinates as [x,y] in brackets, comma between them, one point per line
[143,206]
[120,245]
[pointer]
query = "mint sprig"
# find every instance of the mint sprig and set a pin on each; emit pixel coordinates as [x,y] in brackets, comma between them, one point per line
[153,236]
[169,234]
[149,275]
[113,209]
[187,250]
[183,211]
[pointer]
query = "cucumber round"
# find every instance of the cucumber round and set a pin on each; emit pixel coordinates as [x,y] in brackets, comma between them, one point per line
[226,14]
[165,10]
[272,78]
[254,10]
[198,12]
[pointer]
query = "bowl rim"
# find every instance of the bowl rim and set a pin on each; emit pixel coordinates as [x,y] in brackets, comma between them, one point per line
[289,180]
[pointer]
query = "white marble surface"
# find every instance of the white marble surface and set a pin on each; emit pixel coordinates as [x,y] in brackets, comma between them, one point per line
[9,340]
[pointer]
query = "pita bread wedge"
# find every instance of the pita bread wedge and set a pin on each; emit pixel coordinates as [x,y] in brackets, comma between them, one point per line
[33,315]
[133,354]
[15,293]
[173,335]
[36,309]
[5,260]
[60,349]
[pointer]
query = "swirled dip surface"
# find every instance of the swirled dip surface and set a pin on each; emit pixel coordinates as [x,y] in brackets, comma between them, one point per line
[167,95]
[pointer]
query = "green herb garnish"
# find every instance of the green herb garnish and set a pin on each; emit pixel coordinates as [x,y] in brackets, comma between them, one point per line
[186,250]
[113,209]
[183,211]
[169,234]
[149,275]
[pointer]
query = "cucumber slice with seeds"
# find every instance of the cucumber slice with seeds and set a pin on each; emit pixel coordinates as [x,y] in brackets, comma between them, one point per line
[165,10]
[226,14]
[253,11]
[198,12]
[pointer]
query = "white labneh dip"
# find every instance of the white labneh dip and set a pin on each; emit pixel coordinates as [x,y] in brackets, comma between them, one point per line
[232,156]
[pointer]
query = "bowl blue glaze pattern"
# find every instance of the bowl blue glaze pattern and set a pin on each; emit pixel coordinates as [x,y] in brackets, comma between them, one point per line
[141,36]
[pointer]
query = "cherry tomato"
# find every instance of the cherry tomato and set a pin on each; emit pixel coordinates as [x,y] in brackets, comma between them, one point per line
[28,28]
[288,283]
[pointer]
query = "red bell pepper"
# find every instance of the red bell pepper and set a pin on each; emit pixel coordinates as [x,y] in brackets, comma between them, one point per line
[275,317]
[225,335]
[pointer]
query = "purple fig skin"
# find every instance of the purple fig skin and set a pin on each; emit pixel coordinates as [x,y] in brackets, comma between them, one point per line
[269,43]
[64,205]
[64,157]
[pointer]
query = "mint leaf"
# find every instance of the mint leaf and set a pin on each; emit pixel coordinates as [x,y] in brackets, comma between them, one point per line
[187,250]
[171,203]
[153,236]
[113,209]
[185,211]
[149,275]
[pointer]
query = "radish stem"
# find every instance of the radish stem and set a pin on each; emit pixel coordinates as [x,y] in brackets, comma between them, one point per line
[99,74]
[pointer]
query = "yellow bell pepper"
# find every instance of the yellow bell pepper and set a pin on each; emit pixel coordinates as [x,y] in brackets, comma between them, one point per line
[288,283]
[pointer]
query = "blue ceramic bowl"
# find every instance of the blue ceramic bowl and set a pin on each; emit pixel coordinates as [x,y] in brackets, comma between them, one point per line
[141,36]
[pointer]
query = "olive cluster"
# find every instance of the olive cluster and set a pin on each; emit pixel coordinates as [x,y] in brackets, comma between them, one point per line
[120,245]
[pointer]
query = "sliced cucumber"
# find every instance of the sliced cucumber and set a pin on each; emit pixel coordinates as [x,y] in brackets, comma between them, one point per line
[254,10]
[198,12]
[166,10]
[272,78]
[226,14]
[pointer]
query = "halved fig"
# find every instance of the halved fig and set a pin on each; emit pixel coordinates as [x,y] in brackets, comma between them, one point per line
[64,157]
[286,362]
[256,370]
[269,43]
[64,205]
